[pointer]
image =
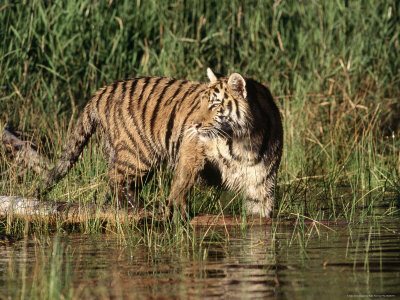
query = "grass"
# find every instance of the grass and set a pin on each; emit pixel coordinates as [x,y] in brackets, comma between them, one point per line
[333,68]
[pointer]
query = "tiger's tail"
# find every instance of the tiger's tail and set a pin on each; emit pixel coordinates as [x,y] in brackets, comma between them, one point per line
[84,128]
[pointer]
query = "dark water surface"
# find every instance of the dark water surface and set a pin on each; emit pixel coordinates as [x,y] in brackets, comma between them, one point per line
[259,262]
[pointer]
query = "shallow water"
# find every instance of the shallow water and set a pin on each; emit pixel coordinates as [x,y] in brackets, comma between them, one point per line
[289,262]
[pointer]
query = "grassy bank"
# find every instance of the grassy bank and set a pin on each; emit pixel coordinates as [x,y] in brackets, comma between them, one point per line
[332,67]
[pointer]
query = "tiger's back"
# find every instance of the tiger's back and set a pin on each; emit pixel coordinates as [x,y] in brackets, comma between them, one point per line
[144,119]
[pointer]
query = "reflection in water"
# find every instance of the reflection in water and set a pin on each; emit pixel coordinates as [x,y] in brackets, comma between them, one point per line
[259,262]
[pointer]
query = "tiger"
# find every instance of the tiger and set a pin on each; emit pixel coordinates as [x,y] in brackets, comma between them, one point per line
[225,132]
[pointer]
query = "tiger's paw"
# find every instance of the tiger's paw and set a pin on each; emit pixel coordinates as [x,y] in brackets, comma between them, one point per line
[258,209]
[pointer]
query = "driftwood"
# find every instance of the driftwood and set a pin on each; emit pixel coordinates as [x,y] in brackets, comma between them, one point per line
[24,153]
[228,220]
[6,239]
[30,208]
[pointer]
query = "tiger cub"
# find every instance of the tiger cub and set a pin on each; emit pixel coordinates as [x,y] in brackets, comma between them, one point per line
[226,132]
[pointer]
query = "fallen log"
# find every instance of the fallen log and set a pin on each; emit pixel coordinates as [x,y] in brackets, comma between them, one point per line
[24,153]
[30,208]
[228,220]
[6,239]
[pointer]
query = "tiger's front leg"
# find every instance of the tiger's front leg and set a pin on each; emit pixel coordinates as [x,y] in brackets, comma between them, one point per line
[190,164]
[260,194]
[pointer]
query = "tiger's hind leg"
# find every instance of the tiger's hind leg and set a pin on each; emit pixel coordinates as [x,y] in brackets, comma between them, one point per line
[125,182]
[125,188]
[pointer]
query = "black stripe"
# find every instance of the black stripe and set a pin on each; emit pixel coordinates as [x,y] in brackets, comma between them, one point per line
[107,107]
[137,155]
[183,82]
[229,144]
[155,85]
[224,159]
[123,90]
[129,166]
[237,108]
[178,143]
[146,83]
[114,86]
[132,89]
[132,139]
[195,105]
[131,110]
[116,122]
[123,93]
[182,99]
[100,97]
[118,106]
[185,96]
[157,107]
[173,150]
[171,120]
[188,93]
[170,125]
[153,88]
[197,95]
[229,106]
[195,101]
[87,114]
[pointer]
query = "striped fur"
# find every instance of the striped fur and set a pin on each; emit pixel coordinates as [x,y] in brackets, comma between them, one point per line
[229,127]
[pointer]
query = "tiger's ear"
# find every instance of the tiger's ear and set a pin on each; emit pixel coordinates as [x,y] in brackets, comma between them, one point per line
[213,76]
[237,83]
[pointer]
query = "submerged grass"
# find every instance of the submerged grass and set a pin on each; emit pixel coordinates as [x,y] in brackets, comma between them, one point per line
[333,68]
[49,278]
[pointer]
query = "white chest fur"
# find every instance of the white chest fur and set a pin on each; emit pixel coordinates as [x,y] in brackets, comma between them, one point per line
[239,163]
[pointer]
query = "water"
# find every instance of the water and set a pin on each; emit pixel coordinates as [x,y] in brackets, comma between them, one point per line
[261,262]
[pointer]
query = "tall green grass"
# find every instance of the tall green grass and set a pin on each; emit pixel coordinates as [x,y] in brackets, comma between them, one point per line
[333,67]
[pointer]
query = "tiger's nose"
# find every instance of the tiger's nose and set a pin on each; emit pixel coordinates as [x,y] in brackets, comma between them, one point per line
[196,125]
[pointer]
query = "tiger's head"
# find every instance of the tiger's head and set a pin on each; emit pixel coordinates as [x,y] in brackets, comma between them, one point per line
[224,110]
